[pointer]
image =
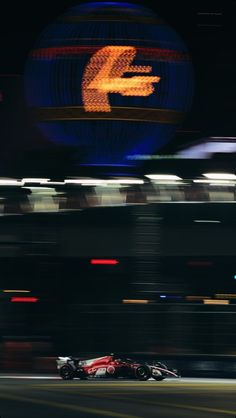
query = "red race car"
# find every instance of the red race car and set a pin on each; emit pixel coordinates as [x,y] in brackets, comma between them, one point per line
[112,366]
[107,366]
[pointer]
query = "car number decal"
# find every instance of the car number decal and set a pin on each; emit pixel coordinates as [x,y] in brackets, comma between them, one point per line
[101,371]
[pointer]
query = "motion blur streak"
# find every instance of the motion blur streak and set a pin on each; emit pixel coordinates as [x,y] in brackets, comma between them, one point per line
[215,302]
[104,261]
[16,291]
[158,53]
[24,299]
[135,301]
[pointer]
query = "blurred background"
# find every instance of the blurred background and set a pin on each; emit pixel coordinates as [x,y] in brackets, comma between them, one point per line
[136,258]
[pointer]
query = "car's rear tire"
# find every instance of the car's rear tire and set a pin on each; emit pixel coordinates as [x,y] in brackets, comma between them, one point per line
[142,373]
[66,373]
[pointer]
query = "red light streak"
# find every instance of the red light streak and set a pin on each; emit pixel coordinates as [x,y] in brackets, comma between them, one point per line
[145,52]
[104,261]
[24,299]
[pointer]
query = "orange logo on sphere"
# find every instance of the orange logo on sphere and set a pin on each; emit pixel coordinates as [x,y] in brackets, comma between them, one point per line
[103,75]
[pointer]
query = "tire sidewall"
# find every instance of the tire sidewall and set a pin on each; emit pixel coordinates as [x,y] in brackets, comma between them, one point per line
[66,373]
[142,373]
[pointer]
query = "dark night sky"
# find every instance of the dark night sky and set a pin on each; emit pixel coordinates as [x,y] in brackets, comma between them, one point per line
[210,40]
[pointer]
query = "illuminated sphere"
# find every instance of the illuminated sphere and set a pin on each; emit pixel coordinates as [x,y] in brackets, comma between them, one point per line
[111,79]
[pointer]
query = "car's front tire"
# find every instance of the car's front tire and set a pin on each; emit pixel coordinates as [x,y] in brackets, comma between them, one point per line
[66,373]
[142,373]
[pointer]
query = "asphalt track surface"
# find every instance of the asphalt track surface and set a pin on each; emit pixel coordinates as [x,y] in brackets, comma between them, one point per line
[42,397]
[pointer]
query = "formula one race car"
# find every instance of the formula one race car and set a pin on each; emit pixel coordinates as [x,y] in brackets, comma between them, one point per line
[112,366]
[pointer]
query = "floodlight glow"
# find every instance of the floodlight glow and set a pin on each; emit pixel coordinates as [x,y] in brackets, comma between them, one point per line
[169,182]
[224,184]
[220,176]
[215,182]
[52,183]
[125,181]
[163,177]
[35,180]
[85,181]
[10,182]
